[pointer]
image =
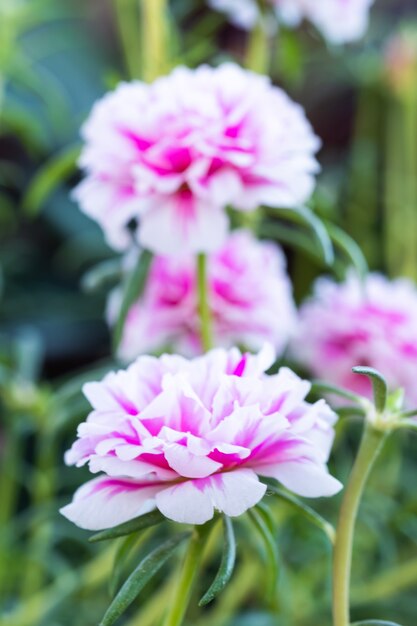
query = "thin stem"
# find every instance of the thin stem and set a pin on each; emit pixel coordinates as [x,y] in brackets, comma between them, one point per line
[203,303]
[182,593]
[259,48]
[127,15]
[371,444]
[154,38]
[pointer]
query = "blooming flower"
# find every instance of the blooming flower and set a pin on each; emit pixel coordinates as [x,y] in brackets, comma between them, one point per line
[246,309]
[339,21]
[191,437]
[173,155]
[351,323]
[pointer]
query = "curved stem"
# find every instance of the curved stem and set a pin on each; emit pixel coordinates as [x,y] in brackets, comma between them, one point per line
[259,48]
[154,38]
[203,303]
[182,593]
[371,444]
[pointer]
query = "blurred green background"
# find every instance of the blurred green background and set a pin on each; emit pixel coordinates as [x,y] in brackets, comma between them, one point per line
[56,58]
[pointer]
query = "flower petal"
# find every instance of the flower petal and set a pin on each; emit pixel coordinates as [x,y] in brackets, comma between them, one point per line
[106,502]
[194,501]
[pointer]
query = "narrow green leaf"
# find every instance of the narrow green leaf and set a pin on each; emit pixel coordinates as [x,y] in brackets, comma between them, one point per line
[146,569]
[107,271]
[121,558]
[226,565]
[132,526]
[410,413]
[346,244]
[48,178]
[320,386]
[132,289]
[306,217]
[270,550]
[349,411]
[375,622]
[379,385]
[292,237]
[407,424]
[304,510]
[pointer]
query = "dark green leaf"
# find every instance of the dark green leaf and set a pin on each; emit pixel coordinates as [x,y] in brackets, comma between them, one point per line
[407,424]
[270,550]
[319,386]
[304,510]
[346,244]
[49,177]
[101,274]
[150,565]
[305,216]
[379,385]
[226,565]
[132,289]
[132,526]
[375,622]
[291,237]
[123,552]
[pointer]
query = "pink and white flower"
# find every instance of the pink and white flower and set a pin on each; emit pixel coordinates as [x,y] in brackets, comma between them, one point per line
[340,21]
[192,437]
[173,155]
[250,297]
[373,324]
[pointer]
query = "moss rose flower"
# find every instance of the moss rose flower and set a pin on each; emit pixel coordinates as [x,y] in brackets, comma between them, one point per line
[250,297]
[192,437]
[166,159]
[350,323]
[340,21]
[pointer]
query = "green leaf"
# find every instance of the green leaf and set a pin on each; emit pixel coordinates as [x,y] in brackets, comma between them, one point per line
[379,385]
[304,510]
[146,569]
[305,216]
[346,244]
[407,424]
[291,237]
[320,386]
[132,289]
[121,558]
[132,526]
[270,550]
[48,178]
[107,271]
[375,622]
[226,565]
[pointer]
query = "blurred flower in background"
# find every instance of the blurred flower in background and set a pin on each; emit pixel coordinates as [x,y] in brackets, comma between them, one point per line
[372,323]
[175,154]
[245,310]
[339,21]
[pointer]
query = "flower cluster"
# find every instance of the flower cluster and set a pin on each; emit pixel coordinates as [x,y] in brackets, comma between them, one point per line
[373,323]
[249,294]
[339,21]
[191,437]
[165,160]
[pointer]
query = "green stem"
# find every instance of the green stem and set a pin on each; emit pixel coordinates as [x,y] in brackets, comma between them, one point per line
[183,591]
[259,48]
[203,303]
[40,531]
[127,15]
[371,444]
[154,38]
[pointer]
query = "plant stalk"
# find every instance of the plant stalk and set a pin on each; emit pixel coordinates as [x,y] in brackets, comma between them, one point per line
[154,38]
[370,447]
[182,593]
[204,304]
